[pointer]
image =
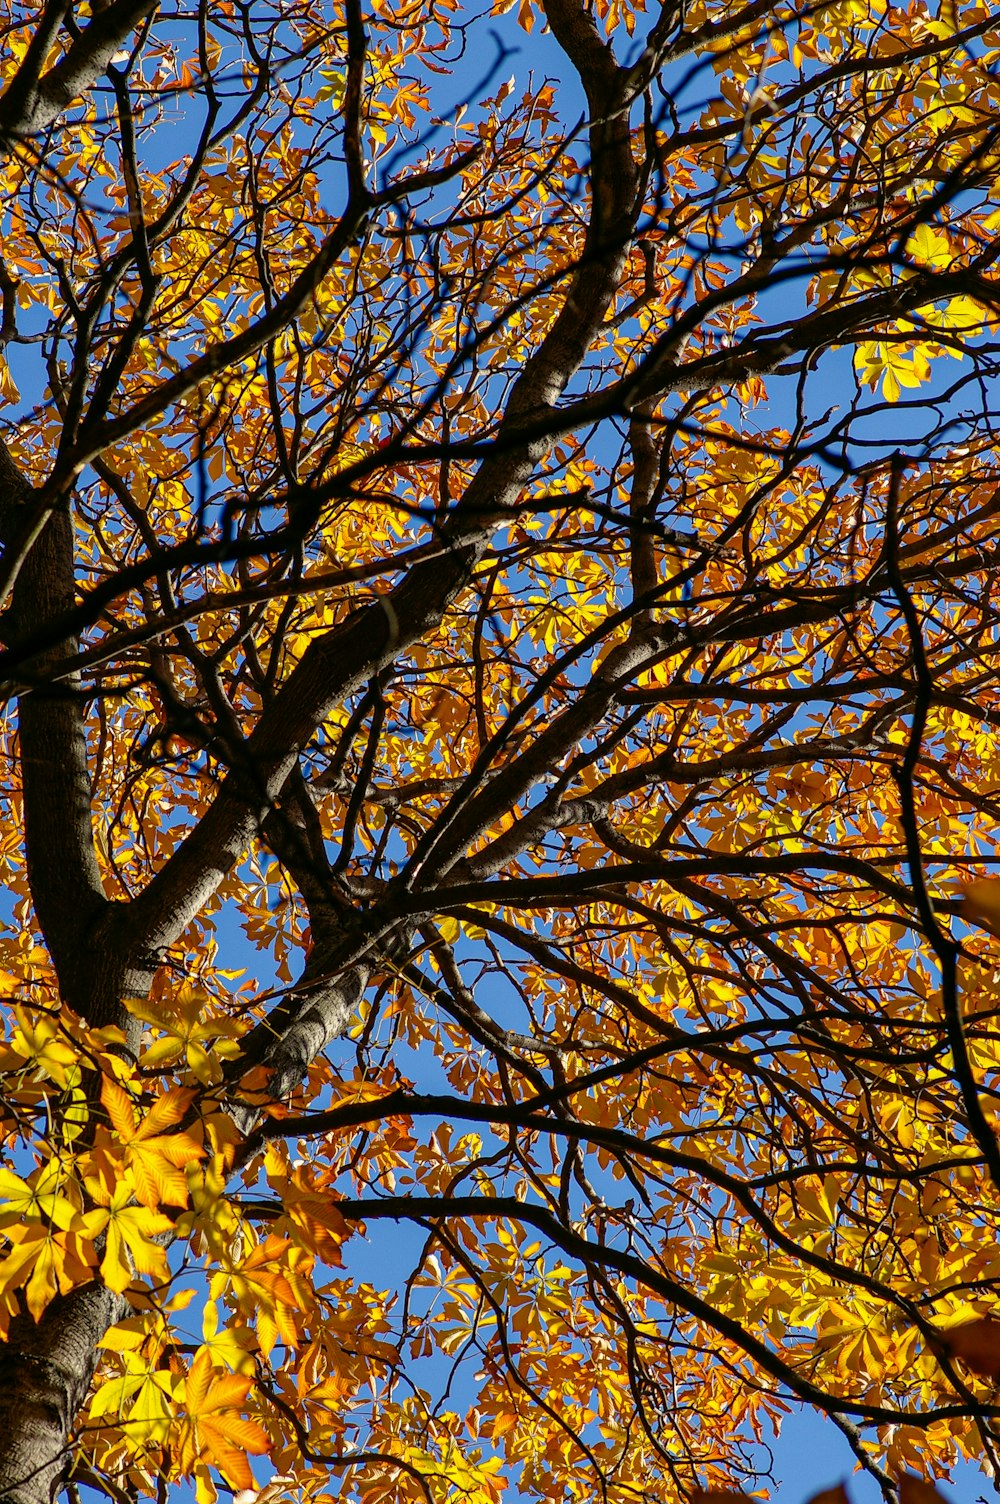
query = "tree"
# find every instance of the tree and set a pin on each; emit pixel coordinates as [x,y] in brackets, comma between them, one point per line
[525,548]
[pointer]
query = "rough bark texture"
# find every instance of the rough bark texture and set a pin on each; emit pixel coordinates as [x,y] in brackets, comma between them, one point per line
[45,1372]
[37,96]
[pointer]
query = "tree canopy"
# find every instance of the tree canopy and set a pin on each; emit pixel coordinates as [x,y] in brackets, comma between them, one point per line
[504,507]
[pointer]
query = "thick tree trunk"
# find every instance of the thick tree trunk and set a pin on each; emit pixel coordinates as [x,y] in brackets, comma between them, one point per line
[46,1366]
[45,1373]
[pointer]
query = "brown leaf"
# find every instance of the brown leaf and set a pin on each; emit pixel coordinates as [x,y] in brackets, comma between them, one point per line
[977,1344]
[914,1490]
[835,1495]
[981,904]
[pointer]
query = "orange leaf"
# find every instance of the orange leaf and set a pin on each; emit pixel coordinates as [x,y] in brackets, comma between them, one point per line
[214,1431]
[977,1344]
[981,904]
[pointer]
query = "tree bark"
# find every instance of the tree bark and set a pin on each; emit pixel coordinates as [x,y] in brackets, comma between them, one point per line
[45,1373]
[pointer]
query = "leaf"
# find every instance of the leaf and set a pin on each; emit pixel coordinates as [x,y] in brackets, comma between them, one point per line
[230,1346]
[980,903]
[214,1429]
[914,1490]
[268,1286]
[43,1264]
[930,248]
[8,387]
[45,1045]
[835,1495]
[155,1158]
[128,1231]
[187,1035]
[37,1199]
[976,1343]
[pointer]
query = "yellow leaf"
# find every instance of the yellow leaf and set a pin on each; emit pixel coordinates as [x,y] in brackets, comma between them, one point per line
[929,247]
[156,1159]
[35,1200]
[52,1264]
[128,1231]
[232,1346]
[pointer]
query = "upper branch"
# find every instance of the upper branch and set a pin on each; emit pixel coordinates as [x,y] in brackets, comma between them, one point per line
[371,639]
[34,99]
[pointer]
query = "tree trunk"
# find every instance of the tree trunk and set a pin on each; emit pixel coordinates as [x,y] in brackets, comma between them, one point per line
[45,1373]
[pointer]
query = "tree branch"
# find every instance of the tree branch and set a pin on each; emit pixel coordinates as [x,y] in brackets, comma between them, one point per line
[34,100]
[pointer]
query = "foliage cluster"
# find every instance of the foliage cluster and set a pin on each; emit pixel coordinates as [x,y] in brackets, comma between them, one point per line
[524,548]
